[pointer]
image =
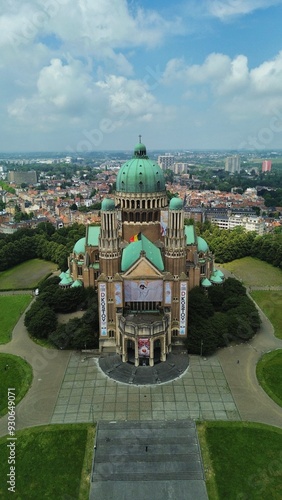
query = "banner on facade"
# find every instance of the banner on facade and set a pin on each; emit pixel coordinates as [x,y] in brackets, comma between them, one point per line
[143,348]
[103,309]
[143,291]
[183,307]
[167,292]
[118,294]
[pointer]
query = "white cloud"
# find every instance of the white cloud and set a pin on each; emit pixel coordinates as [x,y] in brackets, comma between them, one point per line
[62,90]
[95,25]
[67,93]
[131,97]
[229,85]
[228,9]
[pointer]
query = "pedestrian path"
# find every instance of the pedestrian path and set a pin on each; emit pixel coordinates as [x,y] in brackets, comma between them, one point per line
[87,395]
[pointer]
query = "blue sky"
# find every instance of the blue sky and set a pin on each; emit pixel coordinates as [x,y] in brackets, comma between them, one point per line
[82,75]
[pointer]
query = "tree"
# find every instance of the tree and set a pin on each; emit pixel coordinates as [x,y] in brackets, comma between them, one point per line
[46,227]
[42,323]
[199,304]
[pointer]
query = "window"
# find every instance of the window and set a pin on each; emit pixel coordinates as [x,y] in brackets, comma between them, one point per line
[175,333]
[111,334]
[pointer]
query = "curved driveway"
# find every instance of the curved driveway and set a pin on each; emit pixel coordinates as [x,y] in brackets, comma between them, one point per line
[49,366]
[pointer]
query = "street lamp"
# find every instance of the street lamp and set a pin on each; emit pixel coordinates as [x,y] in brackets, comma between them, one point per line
[201,353]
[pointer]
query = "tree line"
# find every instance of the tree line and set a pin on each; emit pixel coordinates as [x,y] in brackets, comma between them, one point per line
[228,245]
[44,242]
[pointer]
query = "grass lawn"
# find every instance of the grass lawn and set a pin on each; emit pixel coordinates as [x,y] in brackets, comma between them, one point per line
[269,374]
[271,304]
[52,462]
[11,308]
[243,461]
[255,272]
[15,373]
[26,275]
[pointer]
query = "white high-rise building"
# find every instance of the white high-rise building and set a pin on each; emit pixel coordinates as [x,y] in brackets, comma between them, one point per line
[166,161]
[233,164]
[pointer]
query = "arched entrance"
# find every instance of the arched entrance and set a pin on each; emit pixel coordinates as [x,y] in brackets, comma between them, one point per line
[157,351]
[130,351]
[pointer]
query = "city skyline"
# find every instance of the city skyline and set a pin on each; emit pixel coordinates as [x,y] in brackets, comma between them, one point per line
[77,77]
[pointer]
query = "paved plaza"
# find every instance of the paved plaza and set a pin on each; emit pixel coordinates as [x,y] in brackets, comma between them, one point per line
[88,395]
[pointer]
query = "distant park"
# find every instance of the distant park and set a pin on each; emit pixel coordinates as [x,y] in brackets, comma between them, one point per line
[255,273]
[26,275]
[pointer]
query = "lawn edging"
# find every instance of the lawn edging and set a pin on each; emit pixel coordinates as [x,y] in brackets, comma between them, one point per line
[265,360]
[20,381]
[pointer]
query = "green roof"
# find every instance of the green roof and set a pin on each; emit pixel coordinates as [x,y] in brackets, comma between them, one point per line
[79,247]
[140,149]
[175,204]
[215,279]
[66,280]
[76,284]
[108,204]
[140,175]
[219,273]
[96,265]
[205,282]
[202,245]
[190,235]
[131,254]
[92,236]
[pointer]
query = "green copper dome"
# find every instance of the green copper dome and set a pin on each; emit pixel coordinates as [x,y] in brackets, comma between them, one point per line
[140,149]
[175,204]
[202,245]
[140,174]
[79,247]
[108,204]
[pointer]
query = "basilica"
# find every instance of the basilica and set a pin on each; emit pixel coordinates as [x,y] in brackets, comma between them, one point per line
[143,260]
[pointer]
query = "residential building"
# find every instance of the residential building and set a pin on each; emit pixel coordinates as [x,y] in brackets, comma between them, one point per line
[266,166]
[166,161]
[233,164]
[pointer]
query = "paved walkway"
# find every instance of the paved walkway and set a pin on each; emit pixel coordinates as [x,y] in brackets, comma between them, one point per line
[252,402]
[49,366]
[87,394]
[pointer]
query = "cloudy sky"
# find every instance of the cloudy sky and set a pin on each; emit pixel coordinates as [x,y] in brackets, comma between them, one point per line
[81,75]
